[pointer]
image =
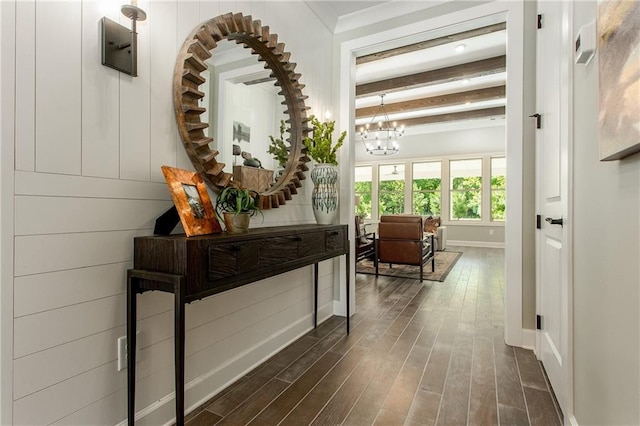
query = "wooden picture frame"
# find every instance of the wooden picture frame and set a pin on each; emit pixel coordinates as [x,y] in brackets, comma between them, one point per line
[192,201]
[618,27]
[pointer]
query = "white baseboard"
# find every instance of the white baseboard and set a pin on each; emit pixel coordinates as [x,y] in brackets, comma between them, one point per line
[487,244]
[204,387]
[529,339]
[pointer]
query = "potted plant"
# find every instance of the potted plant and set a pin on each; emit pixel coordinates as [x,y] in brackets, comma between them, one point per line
[236,205]
[320,147]
[278,148]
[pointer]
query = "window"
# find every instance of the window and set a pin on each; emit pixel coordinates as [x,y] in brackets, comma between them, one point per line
[391,189]
[466,189]
[498,188]
[363,191]
[426,188]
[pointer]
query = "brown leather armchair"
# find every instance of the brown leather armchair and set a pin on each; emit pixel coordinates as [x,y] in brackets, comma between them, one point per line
[365,243]
[401,239]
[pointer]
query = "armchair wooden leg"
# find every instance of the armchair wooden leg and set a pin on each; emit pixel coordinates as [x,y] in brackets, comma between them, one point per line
[433,254]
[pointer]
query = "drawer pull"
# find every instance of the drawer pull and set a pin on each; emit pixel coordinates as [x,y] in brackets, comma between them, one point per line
[296,238]
[235,247]
[334,233]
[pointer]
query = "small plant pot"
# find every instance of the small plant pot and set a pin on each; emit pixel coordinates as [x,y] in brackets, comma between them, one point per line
[236,222]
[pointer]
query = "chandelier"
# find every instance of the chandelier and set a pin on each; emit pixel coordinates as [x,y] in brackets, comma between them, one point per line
[381,138]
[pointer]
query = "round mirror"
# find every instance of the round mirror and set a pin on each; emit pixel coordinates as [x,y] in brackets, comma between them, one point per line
[190,110]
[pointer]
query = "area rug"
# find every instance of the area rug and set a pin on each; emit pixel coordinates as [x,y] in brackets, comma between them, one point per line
[445,260]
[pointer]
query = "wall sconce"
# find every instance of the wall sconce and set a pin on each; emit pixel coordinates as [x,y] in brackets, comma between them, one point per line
[119,43]
[328,113]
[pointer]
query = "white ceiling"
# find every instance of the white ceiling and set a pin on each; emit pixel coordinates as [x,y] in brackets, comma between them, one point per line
[344,15]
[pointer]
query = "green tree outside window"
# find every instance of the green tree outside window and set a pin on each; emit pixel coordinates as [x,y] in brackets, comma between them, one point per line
[466,198]
[363,190]
[426,196]
[498,198]
[391,194]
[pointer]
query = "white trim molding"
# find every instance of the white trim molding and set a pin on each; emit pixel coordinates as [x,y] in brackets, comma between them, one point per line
[7,174]
[487,244]
[529,339]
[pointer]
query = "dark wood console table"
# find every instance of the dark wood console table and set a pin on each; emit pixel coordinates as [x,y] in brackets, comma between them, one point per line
[197,267]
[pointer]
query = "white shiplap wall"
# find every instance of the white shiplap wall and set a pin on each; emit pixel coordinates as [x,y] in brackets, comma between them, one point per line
[89,143]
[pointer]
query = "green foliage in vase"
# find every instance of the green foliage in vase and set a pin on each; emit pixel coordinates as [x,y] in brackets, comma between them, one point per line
[278,148]
[235,199]
[319,147]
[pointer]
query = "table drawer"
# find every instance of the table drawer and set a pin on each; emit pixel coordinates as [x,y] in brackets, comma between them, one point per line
[335,239]
[274,251]
[227,260]
[311,243]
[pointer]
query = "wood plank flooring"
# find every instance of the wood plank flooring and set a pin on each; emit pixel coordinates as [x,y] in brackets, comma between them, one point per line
[418,354]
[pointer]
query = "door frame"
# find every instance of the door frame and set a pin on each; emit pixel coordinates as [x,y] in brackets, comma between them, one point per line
[517,139]
[567,116]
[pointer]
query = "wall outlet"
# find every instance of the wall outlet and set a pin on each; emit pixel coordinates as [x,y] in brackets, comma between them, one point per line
[122,351]
[490,231]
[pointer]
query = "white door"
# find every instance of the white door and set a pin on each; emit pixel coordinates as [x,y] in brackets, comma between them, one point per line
[554,62]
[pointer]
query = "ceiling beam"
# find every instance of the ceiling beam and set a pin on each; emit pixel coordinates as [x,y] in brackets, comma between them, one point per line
[429,78]
[452,38]
[454,116]
[449,99]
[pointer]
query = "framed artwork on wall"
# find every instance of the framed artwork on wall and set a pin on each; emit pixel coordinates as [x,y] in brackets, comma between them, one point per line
[190,196]
[241,132]
[619,78]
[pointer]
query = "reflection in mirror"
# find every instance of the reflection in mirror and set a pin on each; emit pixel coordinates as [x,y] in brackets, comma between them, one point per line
[246,111]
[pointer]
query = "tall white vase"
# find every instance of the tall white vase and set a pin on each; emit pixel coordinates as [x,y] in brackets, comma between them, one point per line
[324,198]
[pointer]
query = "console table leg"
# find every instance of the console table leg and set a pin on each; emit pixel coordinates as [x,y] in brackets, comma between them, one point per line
[179,336]
[348,289]
[132,293]
[315,295]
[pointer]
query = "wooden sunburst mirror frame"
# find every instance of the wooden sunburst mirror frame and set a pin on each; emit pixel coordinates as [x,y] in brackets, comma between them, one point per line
[186,80]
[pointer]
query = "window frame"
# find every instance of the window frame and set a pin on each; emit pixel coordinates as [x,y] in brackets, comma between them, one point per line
[401,176]
[493,190]
[445,199]
[479,191]
[439,191]
[356,193]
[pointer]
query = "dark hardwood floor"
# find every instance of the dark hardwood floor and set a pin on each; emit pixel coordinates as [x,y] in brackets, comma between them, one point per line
[417,354]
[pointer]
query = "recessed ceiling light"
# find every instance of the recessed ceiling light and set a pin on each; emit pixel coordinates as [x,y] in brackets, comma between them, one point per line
[460,48]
